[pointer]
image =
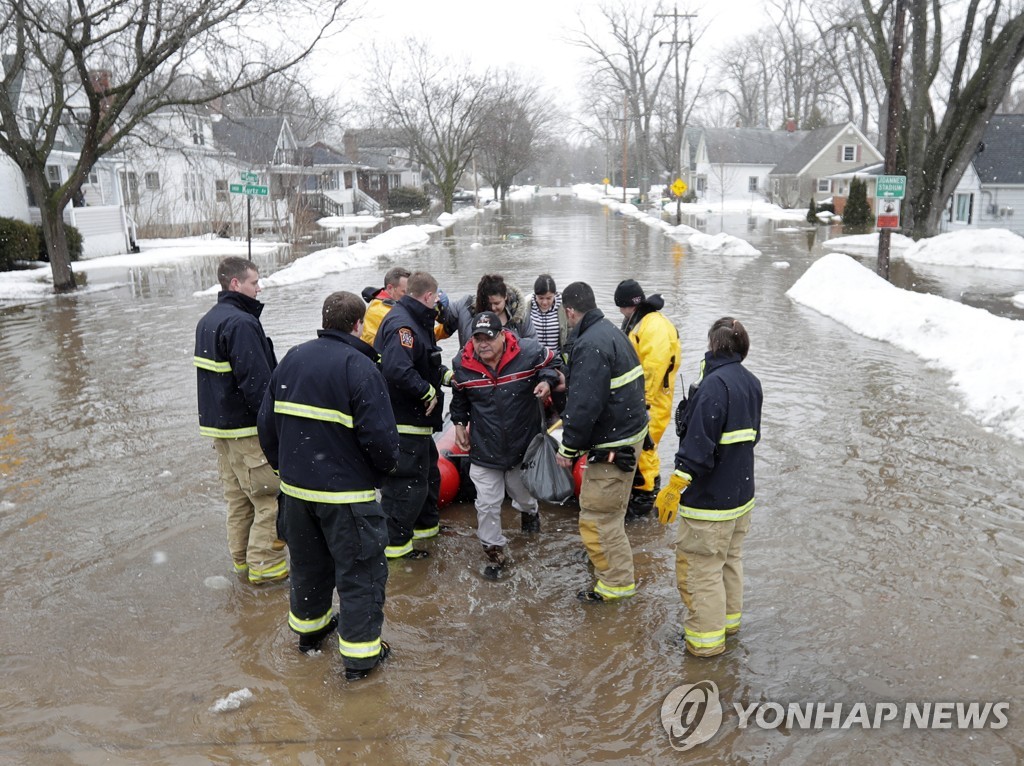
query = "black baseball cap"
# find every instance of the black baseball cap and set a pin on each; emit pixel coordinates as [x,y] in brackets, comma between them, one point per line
[487,323]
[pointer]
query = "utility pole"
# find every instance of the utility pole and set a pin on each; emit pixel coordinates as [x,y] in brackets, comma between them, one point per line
[676,42]
[625,142]
[892,132]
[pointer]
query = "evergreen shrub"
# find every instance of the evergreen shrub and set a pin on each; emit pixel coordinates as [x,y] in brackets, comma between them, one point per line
[19,241]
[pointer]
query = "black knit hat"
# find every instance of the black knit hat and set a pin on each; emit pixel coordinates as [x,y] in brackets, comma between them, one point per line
[629,293]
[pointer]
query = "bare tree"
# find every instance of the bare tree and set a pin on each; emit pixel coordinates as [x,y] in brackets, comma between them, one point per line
[625,52]
[938,138]
[98,69]
[515,131]
[438,106]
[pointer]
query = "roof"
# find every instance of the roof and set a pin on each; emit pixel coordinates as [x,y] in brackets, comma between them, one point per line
[322,154]
[750,146]
[804,153]
[1001,159]
[252,139]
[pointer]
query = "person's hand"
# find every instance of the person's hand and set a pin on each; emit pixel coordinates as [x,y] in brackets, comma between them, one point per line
[461,437]
[431,404]
[542,390]
[442,301]
[564,462]
[667,502]
[561,381]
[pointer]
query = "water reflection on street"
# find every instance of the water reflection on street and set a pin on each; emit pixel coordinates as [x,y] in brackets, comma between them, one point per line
[884,561]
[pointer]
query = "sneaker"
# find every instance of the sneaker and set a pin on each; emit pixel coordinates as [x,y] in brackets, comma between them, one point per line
[354,674]
[531,522]
[590,596]
[309,642]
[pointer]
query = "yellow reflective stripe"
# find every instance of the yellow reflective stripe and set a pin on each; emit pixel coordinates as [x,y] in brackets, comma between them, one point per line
[566,452]
[714,515]
[427,532]
[308,626]
[634,439]
[323,496]
[628,377]
[397,551]
[704,640]
[613,592]
[416,430]
[270,573]
[313,413]
[682,475]
[431,393]
[732,620]
[239,568]
[227,433]
[735,437]
[363,650]
[211,365]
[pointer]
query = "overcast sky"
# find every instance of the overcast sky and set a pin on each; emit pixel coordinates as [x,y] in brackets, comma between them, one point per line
[529,33]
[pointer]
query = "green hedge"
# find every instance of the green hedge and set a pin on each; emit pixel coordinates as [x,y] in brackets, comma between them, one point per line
[408,198]
[19,241]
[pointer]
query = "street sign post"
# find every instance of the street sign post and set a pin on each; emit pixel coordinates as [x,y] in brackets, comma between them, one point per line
[891,187]
[250,187]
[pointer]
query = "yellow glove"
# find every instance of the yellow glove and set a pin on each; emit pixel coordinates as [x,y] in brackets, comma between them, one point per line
[668,499]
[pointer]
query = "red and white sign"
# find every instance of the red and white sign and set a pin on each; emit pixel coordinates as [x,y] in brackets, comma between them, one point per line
[887,214]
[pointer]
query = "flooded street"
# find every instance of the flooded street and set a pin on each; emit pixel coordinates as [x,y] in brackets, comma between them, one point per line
[885,560]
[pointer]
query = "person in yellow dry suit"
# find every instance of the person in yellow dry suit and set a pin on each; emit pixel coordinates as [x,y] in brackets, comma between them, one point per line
[656,341]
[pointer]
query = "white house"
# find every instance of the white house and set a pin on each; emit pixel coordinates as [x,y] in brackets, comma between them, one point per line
[734,163]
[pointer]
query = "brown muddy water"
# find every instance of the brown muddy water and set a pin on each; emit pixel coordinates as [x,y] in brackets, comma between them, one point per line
[884,563]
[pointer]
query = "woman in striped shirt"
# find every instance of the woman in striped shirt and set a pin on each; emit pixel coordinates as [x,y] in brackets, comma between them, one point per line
[547,314]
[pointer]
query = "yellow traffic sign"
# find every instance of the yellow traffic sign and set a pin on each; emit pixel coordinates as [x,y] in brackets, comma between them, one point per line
[606,182]
[678,187]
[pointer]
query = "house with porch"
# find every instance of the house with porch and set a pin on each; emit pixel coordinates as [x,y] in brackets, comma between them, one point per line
[735,163]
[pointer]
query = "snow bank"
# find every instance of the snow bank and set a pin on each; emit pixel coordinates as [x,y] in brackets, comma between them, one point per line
[983,353]
[346,221]
[977,248]
[723,244]
[867,244]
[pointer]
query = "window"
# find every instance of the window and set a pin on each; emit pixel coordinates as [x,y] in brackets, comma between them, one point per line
[195,127]
[221,193]
[964,207]
[194,190]
[848,153]
[394,180]
[824,185]
[53,176]
[30,118]
[702,183]
[129,187]
[94,178]
[152,181]
[375,182]
[752,184]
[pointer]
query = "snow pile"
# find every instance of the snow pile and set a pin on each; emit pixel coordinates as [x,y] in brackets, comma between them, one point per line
[982,249]
[867,244]
[400,239]
[723,244]
[682,231]
[984,353]
[345,221]
[232,702]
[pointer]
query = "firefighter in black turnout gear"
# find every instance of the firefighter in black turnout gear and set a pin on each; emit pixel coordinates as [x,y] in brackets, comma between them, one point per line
[326,426]
[411,363]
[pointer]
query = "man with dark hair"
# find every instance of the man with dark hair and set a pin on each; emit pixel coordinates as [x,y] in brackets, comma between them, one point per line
[604,416]
[497,380]
[411,363]
[656,341]
[712,489]
[325,425]
[396,284]
[234,359]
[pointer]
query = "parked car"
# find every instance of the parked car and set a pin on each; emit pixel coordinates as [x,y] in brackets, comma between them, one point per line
[462,195]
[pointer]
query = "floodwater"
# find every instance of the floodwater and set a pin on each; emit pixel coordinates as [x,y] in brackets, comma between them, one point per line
[884,563]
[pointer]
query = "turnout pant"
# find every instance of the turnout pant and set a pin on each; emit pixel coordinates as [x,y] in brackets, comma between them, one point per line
[604,495]
[709,575]
[409,496]
[660,414]
[491,485]
[250,490]
[335,546]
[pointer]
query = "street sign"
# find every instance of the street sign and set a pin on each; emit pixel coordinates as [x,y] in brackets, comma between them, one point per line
[887,214]
[250,189]
[249,177]
[891,187]
[606,182]
[679,187]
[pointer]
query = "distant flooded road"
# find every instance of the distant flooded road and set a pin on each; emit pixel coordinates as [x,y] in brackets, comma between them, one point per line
[885,561]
